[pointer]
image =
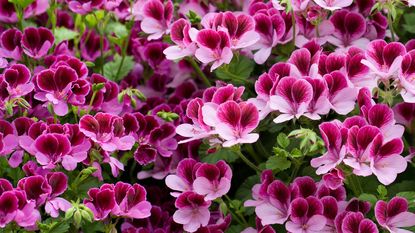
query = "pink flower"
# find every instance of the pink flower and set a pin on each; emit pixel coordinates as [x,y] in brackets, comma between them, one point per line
[157,18]
[306,216]
[193,211]
[405,114]
[406,77]
[291,99]
[185,175]
[17,77]
[383,59]
[213,180]
[101,201]
[271,28]
[334,136]
[10,44]
[8,209]
[59,183]
[84,6]
[342,97]
[320,104]
[333,4]
[131,201]
[55,87]
[349,29]
[394,215]
[334,179]
[236,122]
[50,148]
[214,46]
[179,34]
[355,222]
[36,42]
[107,130]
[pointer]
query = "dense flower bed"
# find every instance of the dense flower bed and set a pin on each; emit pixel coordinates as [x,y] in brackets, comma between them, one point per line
[207,116]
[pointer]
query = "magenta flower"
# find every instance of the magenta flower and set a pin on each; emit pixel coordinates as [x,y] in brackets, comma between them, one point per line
[80,146]
[306,216]
[404,114]
[50,149]
[179,34]
[213,181]
[214,46]
[394,215]
[10,44]
[185,175]
[18,79]
[107,130]
[342,97]
[36,189]
[333,4]
[84,6]
[157,18]
[271,28]
[193,211]
[334,179]
[304,61]
[349,29]
[101,201]
[334,136]
[7,12]
[8,207]
[58,182]
[406,75]
[383,59]
[320,104]
[291,99]
[55,87]
[131,201]
[355,222]
[36,42]
[236,122]
[90,45]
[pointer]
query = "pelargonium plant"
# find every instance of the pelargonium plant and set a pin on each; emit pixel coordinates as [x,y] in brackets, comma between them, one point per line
[207,116]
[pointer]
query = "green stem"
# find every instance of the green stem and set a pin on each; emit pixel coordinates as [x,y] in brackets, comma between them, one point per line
[390,23]
[94,94]
[199,72]
[249,163]
[297,166]
[251,151]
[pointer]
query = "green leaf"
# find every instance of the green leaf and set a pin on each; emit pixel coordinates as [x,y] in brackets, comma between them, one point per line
[409,25]
[235,229]
[62,33]
[224,154]
[118,29]
[238,70]
[278,163]
[368,197]
[283,140]
[117,69]
[244,192]
[22,3]
[382,191]
[91,20]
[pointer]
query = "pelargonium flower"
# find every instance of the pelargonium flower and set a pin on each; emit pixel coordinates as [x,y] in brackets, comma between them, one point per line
[51,148]
[406,77]
[355,222]
[131,201]
[213,180]
[214,46]
[80,146]
[101,201]
[185,175]
[8,209]
[17,77]
[84,6]
[106,130]
[157,18]
[55,87]
[306,216]
[404,114]
[394,215]
[193,211]
[349,29]
[383,59]
[36,42]
[90,45]
[341,95]
[179,34]
[333,5]
[58,182]
[291,99]
[36,189]
[10,44]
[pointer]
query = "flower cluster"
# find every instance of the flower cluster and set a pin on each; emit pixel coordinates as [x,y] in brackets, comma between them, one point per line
[309,206]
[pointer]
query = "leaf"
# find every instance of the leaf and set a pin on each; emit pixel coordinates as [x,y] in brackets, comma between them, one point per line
[62,34]
[238,70]
[235,229]
[278,163]
[283,140]
[117,69]
[382,191]
[224,154]
[409,22]
[368,197]
[118,29]
[244,192]
[22,3]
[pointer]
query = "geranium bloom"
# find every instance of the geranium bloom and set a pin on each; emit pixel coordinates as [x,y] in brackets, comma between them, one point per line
[18,79]
[36,42]
[84,6]
[291,99]
[8,209]
[101,201]
[179,34]
[333,4]
[131,201]
[384,59]
[185,175]
[356,222]
[213,180]
[341,96]
[10,44]
[394,215]
[214,46]
[55,87]
[157,18]
[107,130]
[193,211]
[406,77]
[50,148]
[59,183]
[306,216]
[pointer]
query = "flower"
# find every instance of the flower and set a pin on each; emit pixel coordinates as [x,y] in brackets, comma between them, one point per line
[333,5]
[394,215]
[213,180]
[10,44]
[50,148]
[131,201]
[101,201]
[180,35]
[193,211]
[36,42]
[157,18]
